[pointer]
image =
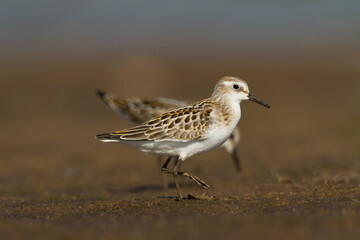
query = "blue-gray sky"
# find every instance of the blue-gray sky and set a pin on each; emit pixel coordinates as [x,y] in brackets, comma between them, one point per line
[100,25]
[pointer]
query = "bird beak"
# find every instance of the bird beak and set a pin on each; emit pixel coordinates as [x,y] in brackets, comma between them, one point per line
[257,100]
[236,161]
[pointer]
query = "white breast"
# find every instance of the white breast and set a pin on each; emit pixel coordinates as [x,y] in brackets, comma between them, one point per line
[216,135]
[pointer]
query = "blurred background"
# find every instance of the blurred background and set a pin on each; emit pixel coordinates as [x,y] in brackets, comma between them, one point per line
[301,57]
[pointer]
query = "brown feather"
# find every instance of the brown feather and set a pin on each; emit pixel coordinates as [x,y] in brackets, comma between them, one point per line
[171,125]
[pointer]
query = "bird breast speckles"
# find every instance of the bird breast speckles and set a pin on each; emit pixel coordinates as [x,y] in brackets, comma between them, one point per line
[222,112]
[226,114]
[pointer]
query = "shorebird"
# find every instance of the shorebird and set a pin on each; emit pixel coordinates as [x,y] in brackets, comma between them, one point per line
[136,110]
[189,130]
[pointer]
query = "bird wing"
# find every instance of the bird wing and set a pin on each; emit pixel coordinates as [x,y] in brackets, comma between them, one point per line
[183,124]
[138,110]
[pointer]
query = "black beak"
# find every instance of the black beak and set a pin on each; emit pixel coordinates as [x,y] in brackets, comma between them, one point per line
[257,100]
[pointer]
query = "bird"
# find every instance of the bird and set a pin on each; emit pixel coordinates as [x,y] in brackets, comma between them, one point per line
[189,130]
[136,110]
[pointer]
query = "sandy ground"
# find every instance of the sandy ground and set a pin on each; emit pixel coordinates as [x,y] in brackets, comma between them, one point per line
[300,159]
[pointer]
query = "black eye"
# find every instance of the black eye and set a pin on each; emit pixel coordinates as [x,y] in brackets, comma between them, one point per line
[235,86]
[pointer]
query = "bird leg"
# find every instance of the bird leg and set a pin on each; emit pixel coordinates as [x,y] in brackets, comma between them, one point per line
[236,160]
[164,178]
[197,180]
[175,174]
[188,175]
[164,166]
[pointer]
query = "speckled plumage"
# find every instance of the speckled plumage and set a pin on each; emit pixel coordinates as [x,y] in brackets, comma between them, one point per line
[183,124]
[189,130]
[139,110]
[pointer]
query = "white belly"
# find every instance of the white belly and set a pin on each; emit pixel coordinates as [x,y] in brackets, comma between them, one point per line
[214,139]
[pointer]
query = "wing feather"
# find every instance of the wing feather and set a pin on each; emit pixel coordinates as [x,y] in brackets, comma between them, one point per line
[183,124]
[138,110]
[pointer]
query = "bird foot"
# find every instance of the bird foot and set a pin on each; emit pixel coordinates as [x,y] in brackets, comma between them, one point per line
[197,180]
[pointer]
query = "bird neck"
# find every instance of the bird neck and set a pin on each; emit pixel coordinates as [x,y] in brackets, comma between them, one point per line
[230,109]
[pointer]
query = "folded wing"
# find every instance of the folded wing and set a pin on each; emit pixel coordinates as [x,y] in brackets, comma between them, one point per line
[183,124]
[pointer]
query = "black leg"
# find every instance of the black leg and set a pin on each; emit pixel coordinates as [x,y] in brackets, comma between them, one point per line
[236,160]
[164,166]
[175,174]
[197,180]
[164,178]
[188,175]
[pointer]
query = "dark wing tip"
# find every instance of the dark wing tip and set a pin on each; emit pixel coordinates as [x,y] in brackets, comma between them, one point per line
[135,136]
[105,136]
[102,136]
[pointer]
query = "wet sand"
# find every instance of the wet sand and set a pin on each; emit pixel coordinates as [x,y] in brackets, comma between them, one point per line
[300,159]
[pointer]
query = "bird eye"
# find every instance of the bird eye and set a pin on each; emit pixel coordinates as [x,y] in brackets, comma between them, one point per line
[235,86]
